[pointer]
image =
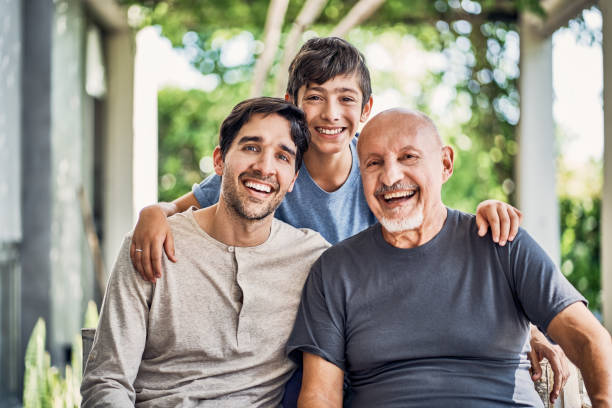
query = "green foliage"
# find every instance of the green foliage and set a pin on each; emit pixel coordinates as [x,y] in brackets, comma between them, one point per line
[189,124]
[44,386]
[580,246]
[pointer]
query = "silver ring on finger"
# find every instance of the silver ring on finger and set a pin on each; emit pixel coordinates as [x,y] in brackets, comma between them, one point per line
[138,250]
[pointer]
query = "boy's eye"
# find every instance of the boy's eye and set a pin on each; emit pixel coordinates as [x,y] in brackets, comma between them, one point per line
[250,148]
[348,99]
[313,98]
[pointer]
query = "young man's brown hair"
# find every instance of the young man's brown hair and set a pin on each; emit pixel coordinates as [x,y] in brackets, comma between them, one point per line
[321,59]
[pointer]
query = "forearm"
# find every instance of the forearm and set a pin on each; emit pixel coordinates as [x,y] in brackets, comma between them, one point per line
[589,346]
[594,359]
[317,400]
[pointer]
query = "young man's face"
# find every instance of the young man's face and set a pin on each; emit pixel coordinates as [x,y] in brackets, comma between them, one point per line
[333,112]
[259,167]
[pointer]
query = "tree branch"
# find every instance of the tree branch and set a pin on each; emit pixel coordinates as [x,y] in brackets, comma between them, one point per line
[272,33]
[360,12]
[309,13]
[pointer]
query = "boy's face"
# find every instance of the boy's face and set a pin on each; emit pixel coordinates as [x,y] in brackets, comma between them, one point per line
[333,112]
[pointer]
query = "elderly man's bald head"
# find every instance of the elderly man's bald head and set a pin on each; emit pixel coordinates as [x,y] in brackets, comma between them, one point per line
[399,119]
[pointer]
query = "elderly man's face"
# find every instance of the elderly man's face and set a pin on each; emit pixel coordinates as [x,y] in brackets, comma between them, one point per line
[403,166]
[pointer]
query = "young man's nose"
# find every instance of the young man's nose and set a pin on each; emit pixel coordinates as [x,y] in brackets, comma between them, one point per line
[265,163]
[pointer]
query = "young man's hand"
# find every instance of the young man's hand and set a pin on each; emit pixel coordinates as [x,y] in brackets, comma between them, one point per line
[503,219]
[152,232]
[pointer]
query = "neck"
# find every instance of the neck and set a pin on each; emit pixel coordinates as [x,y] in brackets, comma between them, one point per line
[224,225]
[431,226]
[329,171]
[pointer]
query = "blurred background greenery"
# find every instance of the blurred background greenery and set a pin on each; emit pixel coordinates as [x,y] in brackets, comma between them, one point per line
[458,61]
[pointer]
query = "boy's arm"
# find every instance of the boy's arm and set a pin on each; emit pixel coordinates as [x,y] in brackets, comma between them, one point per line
[152,233]
[114,360]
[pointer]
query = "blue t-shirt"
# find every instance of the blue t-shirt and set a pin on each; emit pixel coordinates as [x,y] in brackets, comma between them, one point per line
[445,324]
[336,215]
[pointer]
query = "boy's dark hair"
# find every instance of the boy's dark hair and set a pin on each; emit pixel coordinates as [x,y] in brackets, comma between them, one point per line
[321,59]
[242,113]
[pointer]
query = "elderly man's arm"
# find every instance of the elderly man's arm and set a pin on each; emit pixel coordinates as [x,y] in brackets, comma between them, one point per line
[120,339]
[589,347]
[322,383]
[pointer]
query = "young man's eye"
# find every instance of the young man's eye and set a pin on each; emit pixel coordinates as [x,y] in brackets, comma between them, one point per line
[313,98]
[283,157]
[250,148]
[348,99]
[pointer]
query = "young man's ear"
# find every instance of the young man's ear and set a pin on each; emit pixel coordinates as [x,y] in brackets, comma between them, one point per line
[218,161]
[288,98]
[367,109]
[290,189]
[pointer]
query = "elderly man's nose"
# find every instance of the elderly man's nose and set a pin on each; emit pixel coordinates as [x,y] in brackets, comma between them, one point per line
[391,174]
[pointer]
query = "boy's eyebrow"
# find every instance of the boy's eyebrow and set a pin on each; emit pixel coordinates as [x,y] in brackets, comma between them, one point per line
[336,90]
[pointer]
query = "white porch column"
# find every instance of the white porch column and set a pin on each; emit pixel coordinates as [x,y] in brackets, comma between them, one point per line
[606,202]
[119,135]
[536,169]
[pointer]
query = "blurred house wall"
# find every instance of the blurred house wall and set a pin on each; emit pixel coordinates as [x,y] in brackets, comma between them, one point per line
[66,96]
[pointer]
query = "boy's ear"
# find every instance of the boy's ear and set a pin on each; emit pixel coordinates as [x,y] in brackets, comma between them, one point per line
[218,161]
[367,109]
[288,98]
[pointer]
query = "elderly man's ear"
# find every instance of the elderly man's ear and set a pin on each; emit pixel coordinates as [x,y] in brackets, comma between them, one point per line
[448,158]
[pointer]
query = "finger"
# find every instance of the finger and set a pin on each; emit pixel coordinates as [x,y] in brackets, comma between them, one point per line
[169,246]
[156,258]
[482,224]
[146,263]
[515,221]
[504,225]
[565,367]
[558,381]
[493,219]
[138,263]
[536,369]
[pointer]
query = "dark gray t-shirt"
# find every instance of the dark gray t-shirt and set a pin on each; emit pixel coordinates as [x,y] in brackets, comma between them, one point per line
[441,325]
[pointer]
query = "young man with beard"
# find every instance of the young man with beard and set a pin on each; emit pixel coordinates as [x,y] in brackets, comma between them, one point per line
[418,310]
[330,82]
[212,330]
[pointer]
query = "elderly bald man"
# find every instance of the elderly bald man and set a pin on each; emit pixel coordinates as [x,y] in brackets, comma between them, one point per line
[419,310]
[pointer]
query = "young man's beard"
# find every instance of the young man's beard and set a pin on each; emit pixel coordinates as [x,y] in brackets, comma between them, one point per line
[234,201]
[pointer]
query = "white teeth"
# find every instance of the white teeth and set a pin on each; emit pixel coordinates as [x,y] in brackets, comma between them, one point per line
[398,194]
[329,131]
[257,186]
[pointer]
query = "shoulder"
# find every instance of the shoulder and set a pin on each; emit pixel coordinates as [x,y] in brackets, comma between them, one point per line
[303,238]
[353,248]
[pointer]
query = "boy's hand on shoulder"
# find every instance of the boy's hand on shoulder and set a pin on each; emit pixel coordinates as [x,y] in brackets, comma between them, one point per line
[503,219]
[151,234]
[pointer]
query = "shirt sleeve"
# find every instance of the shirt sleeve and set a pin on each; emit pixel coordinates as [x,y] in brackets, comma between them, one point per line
[319,325]
[120,338]
[207,192]
[542,289]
